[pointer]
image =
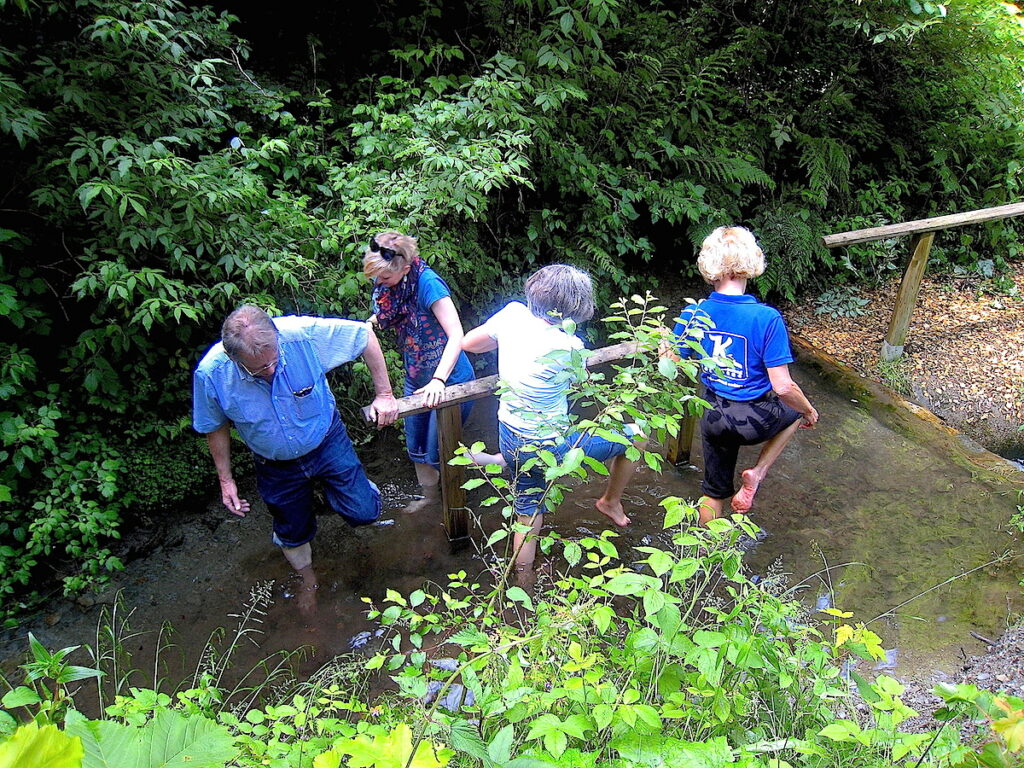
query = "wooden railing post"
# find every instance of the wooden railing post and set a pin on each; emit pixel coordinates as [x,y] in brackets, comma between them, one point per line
[923,231]
[906,299]
[453,495]
[677,452]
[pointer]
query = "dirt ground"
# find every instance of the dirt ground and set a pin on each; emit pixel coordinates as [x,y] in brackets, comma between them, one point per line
[963,358]
[1001,669]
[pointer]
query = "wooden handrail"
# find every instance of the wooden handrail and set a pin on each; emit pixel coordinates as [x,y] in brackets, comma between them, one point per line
[449,429]
[923,231]
[933,224]
[456,394]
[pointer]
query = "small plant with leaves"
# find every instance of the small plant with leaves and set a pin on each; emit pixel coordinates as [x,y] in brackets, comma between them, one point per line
[841,301]
[47,677]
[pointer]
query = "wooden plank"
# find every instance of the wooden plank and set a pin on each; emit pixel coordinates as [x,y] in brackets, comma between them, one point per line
[449,433]
[453,495]
[933,224]
[677,452]
[478,388]
[906,299]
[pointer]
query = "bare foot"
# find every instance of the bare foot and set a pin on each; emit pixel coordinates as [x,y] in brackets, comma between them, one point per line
[744,498]
[306,602]
[613,512]
[431,496]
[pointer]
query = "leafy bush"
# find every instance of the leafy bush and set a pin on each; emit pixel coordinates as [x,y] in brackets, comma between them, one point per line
[157,183]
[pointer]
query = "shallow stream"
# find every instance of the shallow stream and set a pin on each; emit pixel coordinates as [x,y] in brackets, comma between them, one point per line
[877,511]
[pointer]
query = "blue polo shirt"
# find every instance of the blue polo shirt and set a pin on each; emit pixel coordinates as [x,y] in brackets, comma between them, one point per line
[750,336]
[289,416]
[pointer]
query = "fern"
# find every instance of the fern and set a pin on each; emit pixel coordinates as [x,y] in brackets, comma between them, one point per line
[827,164]
[789,237]
[724,169]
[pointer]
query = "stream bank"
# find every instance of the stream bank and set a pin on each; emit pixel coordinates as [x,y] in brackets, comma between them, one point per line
[964,353]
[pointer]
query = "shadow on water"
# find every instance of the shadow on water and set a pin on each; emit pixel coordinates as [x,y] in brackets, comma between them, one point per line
[872,510]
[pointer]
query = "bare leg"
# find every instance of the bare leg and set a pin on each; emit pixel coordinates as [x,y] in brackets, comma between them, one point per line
[306,595]
[428,478]
[525,544]
[744,498]
[619,473]
[482,459]
[709,508]
[300,557]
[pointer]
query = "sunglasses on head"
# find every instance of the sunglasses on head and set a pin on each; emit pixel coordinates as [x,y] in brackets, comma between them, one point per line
[385,253]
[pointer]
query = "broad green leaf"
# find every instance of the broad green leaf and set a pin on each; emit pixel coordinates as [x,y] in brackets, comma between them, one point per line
[841,730]
[627,583]
[33,746]
[170,740]
[391,750]
[602,714]
[573,553]
[500,748]
[518,595]
[20,697]
[654,601]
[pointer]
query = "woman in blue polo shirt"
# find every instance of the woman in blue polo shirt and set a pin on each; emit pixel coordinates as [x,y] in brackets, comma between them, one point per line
[754,400]
[412,298]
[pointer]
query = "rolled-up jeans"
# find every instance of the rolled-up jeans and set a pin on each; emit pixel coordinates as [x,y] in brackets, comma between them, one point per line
[518,449]
[286,487]
[421,441]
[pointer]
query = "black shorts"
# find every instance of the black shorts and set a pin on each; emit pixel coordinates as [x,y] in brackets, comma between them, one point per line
[730,424]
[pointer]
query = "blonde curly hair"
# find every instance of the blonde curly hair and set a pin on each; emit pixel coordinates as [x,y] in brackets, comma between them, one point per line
[730,251]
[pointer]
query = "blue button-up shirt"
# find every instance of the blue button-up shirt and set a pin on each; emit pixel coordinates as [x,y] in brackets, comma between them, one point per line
[288,416]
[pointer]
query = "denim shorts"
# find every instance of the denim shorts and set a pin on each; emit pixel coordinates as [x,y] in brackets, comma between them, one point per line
[286,486]
[518,449]
[421,433]
[730,424]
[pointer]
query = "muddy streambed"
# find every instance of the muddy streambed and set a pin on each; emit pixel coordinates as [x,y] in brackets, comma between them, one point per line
[878,511]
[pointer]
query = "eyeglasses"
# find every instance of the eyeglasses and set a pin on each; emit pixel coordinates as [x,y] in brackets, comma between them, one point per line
[385,253]
[261,369]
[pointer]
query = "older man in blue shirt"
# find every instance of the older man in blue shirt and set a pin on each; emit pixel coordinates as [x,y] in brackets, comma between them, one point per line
[267,377]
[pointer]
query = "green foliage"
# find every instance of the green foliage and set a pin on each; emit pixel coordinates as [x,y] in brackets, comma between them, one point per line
[157,183]
[840,302]
[170,738]
[47,677]
[166,474]
[34,746]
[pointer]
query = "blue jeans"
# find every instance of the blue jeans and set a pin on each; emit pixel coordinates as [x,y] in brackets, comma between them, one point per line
[421,433]
[518,449]
[287,487]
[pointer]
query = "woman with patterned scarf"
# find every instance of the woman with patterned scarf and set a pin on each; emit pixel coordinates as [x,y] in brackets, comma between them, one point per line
[413,299]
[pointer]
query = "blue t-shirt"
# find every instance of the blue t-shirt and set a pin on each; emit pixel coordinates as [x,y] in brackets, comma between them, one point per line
[426,343]
[747,334]
[288,416]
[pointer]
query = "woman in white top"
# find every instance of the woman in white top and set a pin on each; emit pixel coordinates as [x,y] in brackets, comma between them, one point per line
[533,362]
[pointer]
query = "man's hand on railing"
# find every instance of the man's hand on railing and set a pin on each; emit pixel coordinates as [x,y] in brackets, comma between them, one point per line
[383,410]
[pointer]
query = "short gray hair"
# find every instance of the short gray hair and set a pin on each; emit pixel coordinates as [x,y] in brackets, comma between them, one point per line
[248,331]
[561,290]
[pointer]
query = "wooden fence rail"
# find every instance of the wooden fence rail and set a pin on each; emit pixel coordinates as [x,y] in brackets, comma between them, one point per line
[449,431]
[923,232]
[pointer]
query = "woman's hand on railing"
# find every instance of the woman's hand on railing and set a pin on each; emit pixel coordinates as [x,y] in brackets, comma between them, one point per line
[433,393]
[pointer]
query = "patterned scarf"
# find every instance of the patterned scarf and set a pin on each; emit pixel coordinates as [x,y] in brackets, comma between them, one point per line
[396,307]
